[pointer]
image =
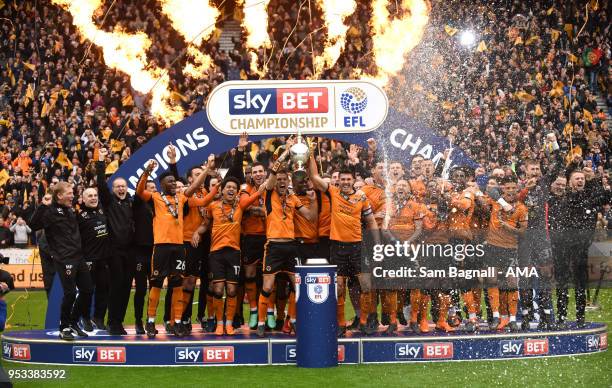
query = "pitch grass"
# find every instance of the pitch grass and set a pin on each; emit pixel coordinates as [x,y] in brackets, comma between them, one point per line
[593,370]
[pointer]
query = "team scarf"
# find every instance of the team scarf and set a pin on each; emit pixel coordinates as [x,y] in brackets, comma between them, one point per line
[230,217]
[172,209]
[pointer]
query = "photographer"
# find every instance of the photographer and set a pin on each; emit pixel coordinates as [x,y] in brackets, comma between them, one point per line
[58,219]
[21,231]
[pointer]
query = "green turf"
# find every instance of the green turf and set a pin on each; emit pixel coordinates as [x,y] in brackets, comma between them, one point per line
[593,370]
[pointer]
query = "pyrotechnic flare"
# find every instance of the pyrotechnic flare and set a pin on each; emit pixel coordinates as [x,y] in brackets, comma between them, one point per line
[255,23]
[334,13]
[125,52]
[394,39]
[195,21]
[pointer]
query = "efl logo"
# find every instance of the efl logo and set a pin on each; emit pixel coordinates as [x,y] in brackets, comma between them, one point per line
[597,341]
[354,100]
[291,353]
[99,354]
[536,347]
[187,355]
[218,354]
[511,348]
[408,351]
[278,101]
[16,351]
[438,350]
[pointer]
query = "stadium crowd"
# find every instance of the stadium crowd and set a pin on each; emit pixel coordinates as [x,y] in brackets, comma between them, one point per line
[524,92]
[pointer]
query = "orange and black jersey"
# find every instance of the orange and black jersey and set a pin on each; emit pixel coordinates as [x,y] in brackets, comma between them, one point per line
[346,214]
[377,197]
[305,229]
[403,218]
[168,229]
[226,221]
[280,214]
[460,214]
[480,217]
[435,228]
[252,224]
[168,212]
[324,222]
[418,188]
[193,216]
[498,235]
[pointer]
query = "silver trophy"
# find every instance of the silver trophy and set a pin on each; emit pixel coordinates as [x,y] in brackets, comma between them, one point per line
[300,153]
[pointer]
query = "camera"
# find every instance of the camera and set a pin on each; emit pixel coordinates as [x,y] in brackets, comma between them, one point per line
[4,259]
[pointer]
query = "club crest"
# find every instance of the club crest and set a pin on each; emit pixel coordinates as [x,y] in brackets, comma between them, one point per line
[318,287]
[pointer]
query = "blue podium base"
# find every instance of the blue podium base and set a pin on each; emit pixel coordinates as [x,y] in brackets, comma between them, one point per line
[245,348]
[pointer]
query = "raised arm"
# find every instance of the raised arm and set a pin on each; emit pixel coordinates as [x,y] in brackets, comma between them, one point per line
[172,164]
[247,200]
[236,169]
[141,190]
[197,183]
[103,190]
[271,181]
[199,202]
[317,182]
[39,219]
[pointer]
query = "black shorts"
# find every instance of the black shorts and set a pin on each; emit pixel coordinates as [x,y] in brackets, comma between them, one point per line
[323,247]
[224,265]
[279,257]
[501,259]
[194,258]
[168,260]
[307,250]
[347,256]
[252,248]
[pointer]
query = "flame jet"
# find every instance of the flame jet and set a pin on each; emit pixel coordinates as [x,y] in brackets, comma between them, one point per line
[334,13]
[195,21]
[394,39]
[255,23]
[125,52]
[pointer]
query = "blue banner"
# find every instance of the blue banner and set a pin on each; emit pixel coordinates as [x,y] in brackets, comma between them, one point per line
[400,137]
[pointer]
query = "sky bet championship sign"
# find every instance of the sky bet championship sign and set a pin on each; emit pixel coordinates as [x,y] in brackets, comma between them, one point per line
[351,111]
[274,107]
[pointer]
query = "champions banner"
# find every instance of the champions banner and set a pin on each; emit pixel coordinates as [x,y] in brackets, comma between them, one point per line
[350,111]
